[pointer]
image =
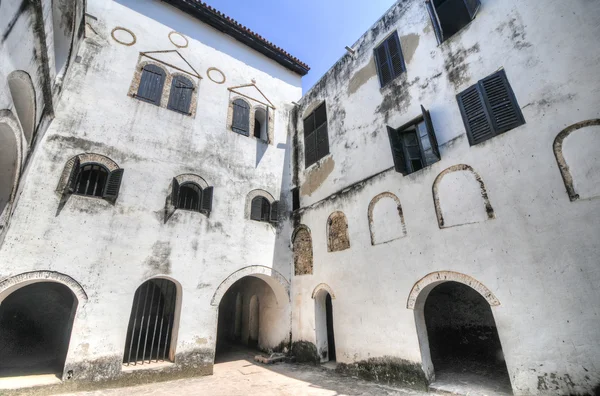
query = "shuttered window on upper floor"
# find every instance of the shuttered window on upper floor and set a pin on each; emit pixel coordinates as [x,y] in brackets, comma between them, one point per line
[389,59]
[241,117]
[316,139]
[262,210]
[489,108]
[190,196]
[414,145]
[449,16]
[151,84]
[180,97]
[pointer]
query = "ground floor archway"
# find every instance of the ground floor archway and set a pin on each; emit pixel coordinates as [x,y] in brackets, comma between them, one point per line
[325,335]
[253,313]
[35,329]
[460,345]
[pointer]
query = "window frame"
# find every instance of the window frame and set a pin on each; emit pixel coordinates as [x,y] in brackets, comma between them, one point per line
[78,179]
[472,7]
[170,105]
[315,132]
[385,43]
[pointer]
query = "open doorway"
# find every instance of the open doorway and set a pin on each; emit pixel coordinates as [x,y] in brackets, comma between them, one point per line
[463,340]
[35,329]
[325,336]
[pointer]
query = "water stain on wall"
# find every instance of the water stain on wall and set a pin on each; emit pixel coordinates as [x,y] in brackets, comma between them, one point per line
[409,44]
[362,76]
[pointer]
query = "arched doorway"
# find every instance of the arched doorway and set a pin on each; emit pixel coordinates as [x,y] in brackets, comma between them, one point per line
[23,96]
[153,323]
[35,329]
[460,345]
[253,313]
[325,335]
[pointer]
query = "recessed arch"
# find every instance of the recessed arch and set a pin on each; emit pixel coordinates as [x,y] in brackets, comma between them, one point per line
[557,146]
[63,26]
[13,283]
[443,220]
[23,96]
[337,232]
[303,251]
[84,158]
[422,287]
[253,194]
[320,287]
[10,161]
[278,283]
[389,224]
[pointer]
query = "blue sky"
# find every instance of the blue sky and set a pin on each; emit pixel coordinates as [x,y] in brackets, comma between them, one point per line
[314,31]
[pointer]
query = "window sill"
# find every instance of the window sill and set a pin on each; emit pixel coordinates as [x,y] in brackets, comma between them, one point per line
[146,366]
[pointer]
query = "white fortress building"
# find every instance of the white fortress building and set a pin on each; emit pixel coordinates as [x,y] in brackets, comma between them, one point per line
[425,215]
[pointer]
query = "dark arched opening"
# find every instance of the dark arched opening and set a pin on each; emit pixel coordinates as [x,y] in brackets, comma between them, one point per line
[91,180]
[35,329]
[190,196]
[463,339]
[324,326]
[152,323]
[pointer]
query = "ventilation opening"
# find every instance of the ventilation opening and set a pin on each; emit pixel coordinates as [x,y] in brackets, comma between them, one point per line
[35,329]
[151,324]
[463,340]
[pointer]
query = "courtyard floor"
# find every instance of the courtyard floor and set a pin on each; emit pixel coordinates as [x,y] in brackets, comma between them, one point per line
[236,373]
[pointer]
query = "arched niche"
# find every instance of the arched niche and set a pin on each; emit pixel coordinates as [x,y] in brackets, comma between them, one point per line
[460,197]
[10,160]
[303,251]
[578,157]
[63,22]
[324,323]
[23,96]
[386,219]
[337,232]
[15,282]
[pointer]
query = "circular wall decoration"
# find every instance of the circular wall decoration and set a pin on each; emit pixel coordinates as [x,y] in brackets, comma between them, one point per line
[123,36]
[178,39]
[213,74]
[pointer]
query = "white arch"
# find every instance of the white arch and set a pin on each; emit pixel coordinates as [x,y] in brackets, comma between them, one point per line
[23,96]
[10,161]
[14,283]
[322,286]
[277,282]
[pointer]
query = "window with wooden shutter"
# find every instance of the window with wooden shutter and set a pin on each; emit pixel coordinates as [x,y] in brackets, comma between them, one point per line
[207,198]
[274,215]
[389,59]
[91,180]
[260,209]
[414,145]
[180,97]
[113,185]
[489,108]
[450,16]
[241,117]
[189,196]
[151,84]
[316,139]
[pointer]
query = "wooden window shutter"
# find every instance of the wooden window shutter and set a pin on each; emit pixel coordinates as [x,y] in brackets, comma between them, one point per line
[274,217]
[395,53]
[241,117]
[431,133]
[72,180]
[384,68]
[175,193]
[256,208]
[472,7]
[503,108]
[151,84]
[180,97]
[207,197]
[265,212]
[475,115]
[267,126]
[397,150]
[435,21]
[113,185]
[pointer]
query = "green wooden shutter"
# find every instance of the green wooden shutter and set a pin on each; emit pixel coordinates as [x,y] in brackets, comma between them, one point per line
[113,185]
[397,150]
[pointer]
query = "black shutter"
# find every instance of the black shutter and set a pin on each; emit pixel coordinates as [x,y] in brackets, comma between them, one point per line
[431,132]
[472,7]
[113,184]
[267,126]
[395,52]
[241,117]
[322,141]
[503,108]
[256,208]
[435,21]
[397,150]
[275,212]
[475,115]
[180,97]
[72,180]
[265,210]
[207,196]
[175,193]
[383,66]
[151,84]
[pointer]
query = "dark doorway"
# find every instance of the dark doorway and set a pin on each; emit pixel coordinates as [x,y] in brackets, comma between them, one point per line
[330,336]
[151,323]
[463,339]
[35,329]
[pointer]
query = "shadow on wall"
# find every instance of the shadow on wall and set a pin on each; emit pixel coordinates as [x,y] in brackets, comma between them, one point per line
[197,30]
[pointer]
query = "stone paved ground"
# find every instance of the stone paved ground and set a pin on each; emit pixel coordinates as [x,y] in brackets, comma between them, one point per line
[240,375]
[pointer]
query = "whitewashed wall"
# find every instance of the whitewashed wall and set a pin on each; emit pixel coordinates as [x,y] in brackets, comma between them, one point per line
[538,252]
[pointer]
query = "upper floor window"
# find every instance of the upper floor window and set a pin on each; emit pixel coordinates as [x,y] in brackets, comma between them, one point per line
[449,16]
[263,210]
[261,123]
[414,145]
[389,59]
[180,97]
[489,108]
[91,180]
[151,84]
[316,140]
[190,196]
[241,117]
